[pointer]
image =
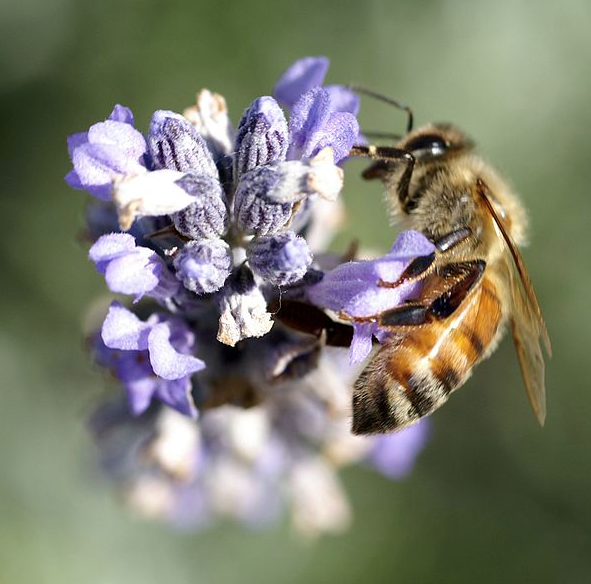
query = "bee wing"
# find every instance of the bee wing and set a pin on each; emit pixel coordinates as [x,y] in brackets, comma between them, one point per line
[527,324]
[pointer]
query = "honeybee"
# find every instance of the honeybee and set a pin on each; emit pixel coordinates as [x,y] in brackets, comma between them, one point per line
[473,285]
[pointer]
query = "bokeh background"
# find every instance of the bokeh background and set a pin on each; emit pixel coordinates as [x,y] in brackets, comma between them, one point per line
[493,498]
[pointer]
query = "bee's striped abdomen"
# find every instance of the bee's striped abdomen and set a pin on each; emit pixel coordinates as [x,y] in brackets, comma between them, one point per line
[414,372]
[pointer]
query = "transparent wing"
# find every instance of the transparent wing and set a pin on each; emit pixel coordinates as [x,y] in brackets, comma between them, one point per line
[527,324]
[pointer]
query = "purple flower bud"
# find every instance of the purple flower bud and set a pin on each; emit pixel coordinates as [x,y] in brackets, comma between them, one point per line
[175,144]
[280,259]
[208,216]
[203,266]
[255,212]
[261,137]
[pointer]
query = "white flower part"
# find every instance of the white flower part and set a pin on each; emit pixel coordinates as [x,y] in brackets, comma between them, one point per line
[243,316]
[326,219]
[230,486]
[248,431]
[150,496]
[326,177]
[148,194]
[319,504]
[176,444]
[210,119]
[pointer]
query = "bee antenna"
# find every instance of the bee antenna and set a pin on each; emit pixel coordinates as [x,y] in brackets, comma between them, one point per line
[388,100]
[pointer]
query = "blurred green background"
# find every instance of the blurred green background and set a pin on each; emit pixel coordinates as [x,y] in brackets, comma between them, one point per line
[493,498]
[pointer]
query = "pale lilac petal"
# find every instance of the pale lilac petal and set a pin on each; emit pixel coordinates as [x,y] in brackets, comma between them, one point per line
[108,149]
[139,394]
[411,244]
[176,393]
[132,270]
[314,125]
[354,288]
[343,99]
[96,166]
[119,134]
[75,140]
[308,117]
[134,273]
[362,342]
[300,77]
[394,455]
[339,132]
[124,330]
[111,246]
[121,113]
[166,361]
[73,180]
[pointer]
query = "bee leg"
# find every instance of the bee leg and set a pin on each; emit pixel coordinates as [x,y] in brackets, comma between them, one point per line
[305,318]
[452,239]
[419,267]
[464,276]
[384,155]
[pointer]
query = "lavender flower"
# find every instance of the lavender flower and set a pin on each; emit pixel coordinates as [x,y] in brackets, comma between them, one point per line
[353,289]
[230,412]
[132,269]
[152,358]
[110,148]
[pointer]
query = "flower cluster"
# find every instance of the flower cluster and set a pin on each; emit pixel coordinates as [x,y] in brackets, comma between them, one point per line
[231,412]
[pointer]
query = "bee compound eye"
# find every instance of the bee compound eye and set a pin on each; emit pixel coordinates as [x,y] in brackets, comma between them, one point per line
[427,145]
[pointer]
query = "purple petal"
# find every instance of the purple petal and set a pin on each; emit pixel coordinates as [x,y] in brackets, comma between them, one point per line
[108,148]
[131,270]
[111,246]
[121,113]
[308,118]
[97,164]
[340,133]
[411,244]
[73,180]
[343,99]
[76,140]
[166,361]
[139,394]
[354,289]
[362,342]
[300,77]
[121,135]
[124,330]
[177,394]
[135,273]
[394,454]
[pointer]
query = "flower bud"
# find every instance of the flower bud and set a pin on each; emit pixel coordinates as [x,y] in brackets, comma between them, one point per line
[175,144]
[262,136]
[203,266]
[280,259]
[208,216]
